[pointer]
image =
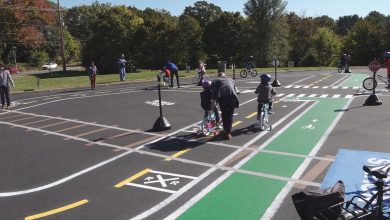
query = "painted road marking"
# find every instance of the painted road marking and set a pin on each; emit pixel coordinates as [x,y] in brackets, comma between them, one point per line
[138,143]
[55,97]
[89,132]
[324,95]
[315,87]
[50,125]
[161,181]
[336,96]
[312,95]
[251,115]
[289,86]
[315,171]
[26,103]
[134,177]
[111,138]
[46,119]
[301,95]
[70,128]
[280,95]
[22,119]
[349,96]
[178,154]
[58,210]
[236,123]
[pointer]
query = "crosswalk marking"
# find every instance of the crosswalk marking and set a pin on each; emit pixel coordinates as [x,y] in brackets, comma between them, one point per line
[289,86]
[348,96]
[279,95]
[301,95]
[290,95]
[323,87]
[296,87]
[336,96]
[324,95]
[315,87]
[312,95]
[306,87]
[316,95]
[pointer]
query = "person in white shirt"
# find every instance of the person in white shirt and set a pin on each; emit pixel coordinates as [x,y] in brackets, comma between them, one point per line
[5,81]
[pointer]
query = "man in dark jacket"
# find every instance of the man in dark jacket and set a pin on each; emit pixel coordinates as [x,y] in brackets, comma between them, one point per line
[223,91]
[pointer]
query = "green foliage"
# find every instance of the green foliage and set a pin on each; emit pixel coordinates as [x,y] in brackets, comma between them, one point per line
[38,58]
[203,12]
[327,46]
[266,19]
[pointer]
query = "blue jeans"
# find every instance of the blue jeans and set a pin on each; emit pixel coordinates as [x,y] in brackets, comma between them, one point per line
[122,74]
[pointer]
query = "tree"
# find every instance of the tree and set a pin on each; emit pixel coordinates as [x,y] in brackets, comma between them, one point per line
[203,12]
[113,32]
[301,30]
[153,42]
[188,44]
[325,21]
[364,42]
[345,23]
[270,30]
[327,46]
[224,36]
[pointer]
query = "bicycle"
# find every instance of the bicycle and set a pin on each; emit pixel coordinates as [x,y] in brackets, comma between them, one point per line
[198,77]
[341,68]
[263,118]
[369,83]
[359,208]
[246,71]
[209,124]
[165,79]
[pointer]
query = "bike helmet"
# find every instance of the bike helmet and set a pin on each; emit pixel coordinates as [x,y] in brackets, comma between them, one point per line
[265,78]
[206,84]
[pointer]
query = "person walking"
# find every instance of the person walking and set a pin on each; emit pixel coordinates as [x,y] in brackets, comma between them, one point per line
[5,80]
[174,72]
[92,71]
[223,91]
[122,67]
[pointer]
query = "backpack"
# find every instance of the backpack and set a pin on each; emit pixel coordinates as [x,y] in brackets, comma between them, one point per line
[308,205]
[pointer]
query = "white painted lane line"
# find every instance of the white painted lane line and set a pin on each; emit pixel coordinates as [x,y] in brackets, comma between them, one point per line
[312,95]
[345,87]
[324,95]
[355,87]
[289,86]
[150,187]
[335,87]
[349,96]
[300,95]
[290,95]
[55,97]
[306,87]
[297,87]
[336,96]
[325,87]
[315,87]
[280,95]
[270,212]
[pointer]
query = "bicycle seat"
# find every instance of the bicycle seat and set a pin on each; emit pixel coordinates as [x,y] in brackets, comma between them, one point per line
[379,172]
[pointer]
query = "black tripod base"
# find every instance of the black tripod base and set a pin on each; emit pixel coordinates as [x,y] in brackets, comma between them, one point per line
[161,124]
[276,83]
[373,100]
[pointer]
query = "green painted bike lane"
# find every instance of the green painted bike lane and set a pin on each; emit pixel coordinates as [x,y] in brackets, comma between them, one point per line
[355,79]
[242,196]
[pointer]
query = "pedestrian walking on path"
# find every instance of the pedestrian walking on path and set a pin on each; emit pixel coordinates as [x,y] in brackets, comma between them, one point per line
[5,81]
[223,91]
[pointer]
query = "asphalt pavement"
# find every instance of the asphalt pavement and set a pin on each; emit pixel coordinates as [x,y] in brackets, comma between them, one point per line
[86,154]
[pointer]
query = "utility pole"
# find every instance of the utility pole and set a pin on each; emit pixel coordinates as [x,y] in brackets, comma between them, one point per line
[62,36]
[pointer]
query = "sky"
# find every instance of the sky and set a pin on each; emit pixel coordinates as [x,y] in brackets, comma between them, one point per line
[307,8]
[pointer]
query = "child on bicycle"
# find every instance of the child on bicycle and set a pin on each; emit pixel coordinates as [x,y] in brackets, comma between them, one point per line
[205,102]
[265,93]
[201,71]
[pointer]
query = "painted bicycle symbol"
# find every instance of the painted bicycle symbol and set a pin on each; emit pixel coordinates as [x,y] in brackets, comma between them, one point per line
[309,126]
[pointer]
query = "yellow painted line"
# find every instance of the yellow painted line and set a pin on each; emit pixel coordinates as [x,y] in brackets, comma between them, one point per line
[55,211]
[236,123]
[134,177]
[178,154]
[251,115]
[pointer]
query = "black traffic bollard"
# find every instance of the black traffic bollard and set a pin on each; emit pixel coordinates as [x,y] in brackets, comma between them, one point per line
[161,123]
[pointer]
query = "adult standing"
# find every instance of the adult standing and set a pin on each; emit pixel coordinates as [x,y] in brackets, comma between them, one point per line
[5,80]
[122,67]
[223,91]
[174,72]
[92,71]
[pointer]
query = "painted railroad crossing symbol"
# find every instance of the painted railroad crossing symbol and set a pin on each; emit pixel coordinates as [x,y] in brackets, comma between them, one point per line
[157,180]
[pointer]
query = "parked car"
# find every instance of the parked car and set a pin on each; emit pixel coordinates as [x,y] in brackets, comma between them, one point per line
[49,66]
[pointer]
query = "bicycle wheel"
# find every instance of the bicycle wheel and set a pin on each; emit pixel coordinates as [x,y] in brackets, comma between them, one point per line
[253,73]
[195,80]
[369,83]
[262,121]
[204,130]
[243,73]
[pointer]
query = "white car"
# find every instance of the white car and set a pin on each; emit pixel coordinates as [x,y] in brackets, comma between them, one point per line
[49,66]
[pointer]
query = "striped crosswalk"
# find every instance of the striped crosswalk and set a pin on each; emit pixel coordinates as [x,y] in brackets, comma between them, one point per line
[302,95]
[319,87]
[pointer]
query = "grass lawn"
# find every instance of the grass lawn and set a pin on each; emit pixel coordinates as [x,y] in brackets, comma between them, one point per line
[77,79]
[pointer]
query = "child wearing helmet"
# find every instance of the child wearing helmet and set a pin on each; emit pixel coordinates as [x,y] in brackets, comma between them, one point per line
[265,93]
[205,101]
[201,71]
